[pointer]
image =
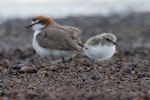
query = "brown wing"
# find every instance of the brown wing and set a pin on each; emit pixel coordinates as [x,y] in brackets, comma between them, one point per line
[74,32]
[55,38]
[72,29]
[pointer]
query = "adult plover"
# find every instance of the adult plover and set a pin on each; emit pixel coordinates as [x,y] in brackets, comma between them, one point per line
[54,41]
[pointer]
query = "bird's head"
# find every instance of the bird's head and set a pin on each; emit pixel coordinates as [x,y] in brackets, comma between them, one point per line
[40,22]
[109,39]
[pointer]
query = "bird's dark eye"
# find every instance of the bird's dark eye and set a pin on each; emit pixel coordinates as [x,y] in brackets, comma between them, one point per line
[108,39]
[33,19]
[40,21]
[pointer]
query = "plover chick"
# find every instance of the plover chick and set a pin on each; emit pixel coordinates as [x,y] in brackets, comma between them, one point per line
[54,41]
[100,47]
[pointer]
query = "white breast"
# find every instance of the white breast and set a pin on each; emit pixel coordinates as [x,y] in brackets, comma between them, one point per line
[41,51]
[49,53]
[100,53]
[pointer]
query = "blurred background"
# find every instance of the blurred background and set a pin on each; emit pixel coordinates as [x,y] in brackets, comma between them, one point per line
[64,8]
[127,73]
[128,19]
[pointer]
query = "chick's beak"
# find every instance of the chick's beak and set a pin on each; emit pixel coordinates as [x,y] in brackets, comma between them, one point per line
[115,43]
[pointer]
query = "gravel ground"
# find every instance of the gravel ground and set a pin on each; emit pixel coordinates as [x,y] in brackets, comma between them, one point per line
[23,76]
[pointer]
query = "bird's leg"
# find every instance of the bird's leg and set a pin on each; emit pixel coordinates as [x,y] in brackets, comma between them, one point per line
[46,62]
[43,61]
[62,61]
[95,70]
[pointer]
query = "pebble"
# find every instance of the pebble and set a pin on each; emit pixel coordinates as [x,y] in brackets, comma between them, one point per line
[133,72]
[25,68]
[28,69]
[45,73]
[52,68]
[4,62]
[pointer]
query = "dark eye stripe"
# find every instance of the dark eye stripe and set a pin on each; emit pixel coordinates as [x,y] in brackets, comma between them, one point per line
[108,39]
[40,21]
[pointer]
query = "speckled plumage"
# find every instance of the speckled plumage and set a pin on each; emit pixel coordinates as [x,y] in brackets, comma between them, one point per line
[100,47]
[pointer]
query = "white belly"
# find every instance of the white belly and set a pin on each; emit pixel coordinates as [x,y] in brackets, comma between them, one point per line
[50,53]
[100,53]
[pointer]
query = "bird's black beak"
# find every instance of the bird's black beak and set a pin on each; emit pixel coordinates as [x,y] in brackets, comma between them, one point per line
[30,26]
[33,24]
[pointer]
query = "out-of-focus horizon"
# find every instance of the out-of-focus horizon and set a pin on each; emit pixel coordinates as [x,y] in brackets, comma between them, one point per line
[58,9]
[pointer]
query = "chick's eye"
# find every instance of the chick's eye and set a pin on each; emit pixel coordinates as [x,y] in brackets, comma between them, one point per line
[108,39]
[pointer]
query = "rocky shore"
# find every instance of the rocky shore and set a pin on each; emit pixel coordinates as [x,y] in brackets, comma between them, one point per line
[23,76]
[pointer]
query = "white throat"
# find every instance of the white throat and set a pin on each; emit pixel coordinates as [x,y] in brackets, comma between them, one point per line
[37,27]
